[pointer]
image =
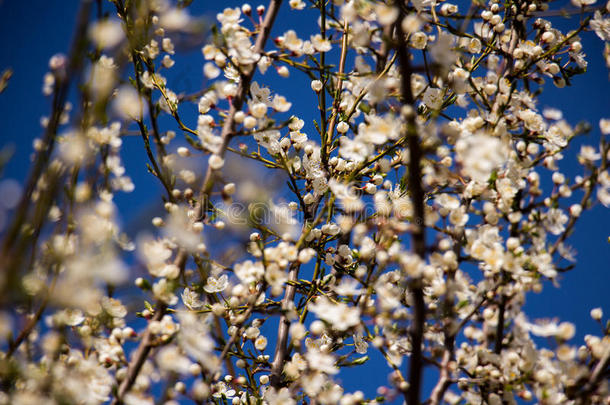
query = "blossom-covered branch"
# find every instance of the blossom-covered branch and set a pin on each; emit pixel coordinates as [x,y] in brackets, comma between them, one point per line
[382,194]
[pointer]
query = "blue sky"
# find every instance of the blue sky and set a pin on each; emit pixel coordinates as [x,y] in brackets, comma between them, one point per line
[33,31]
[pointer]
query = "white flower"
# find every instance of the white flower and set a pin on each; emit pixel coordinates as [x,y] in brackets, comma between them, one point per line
[597,314]
[260,94]
[418,40]
[260,343]
[458,217]
[132,398]
[320,44]
[532,120]
[75,148]
[166,326]
[169,102]
[210,70]
[164,291]
[433,98]
[70,317]
[298,138]
[249,272]
[546,328]
[588,154]
[179,229]
[269,140]
[583,3]
[348,287]
[222,390]
[379,129]
[474,45]
[297,4]
[342,127]
[555,220]
[480,154]
[169,358]
[281,104]
[339,316]
[386,15]
[190,299]
[232,74]
[263,64]
[103,76]
[448,202]
[306,255]
[350,201]
[154,252]
[360,344]
[168,270]
[552,114]
[442,50]
[354,149]
[175,19]
[322,362]
[229,16]
[603,191]
[411,24]
[107,33]
[214,285]
[420,5]
[128,103]
[291,41]
[114,307]
[604,126]
[195,340]
[283,396]
[258,110]
[316,85]
[567,252]
[216,162]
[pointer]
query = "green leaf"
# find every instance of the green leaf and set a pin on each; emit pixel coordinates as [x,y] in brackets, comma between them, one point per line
[462,304]
[364,107]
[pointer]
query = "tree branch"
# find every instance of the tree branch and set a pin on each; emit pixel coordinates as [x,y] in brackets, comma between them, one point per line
[133,369]
[416,193]
[338,88]
[228,128]
[282,333]
[11,262]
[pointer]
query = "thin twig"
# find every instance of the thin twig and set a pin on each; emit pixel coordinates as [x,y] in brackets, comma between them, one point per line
[31,324]
[337,100]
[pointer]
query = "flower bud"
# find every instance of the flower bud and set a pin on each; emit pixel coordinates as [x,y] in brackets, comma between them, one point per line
[316,85]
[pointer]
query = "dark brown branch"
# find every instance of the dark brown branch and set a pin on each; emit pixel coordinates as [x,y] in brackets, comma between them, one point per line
[500,326]
[386,46]
[416,193]
[146,344]
[583,395]
[75,61]
[450,332]
[31,324]
[139,358]
[282,333]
